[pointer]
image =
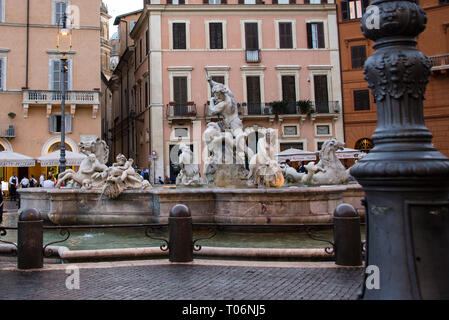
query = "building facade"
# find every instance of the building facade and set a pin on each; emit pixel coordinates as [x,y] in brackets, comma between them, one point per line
[359,106]
[265,52]
[31,81]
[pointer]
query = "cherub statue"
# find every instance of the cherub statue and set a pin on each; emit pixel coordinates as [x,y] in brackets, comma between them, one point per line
[190,173]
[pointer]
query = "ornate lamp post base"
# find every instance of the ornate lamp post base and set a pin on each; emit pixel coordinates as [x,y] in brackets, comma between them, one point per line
[405,178]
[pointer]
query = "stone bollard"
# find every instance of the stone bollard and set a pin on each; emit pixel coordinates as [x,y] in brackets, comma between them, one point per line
[347,237]
[30,234]
[180,234]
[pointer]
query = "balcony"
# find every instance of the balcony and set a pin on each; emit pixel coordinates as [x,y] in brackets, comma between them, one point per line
[180,111]
[252,56]
[7,131]
[440,63]
[52,97]
[330,109]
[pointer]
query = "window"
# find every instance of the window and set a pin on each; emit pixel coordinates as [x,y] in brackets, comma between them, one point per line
[358,56]
[59,10]
[289,93]
[147,42]
[131,26]
[253,94]
[361,100]
[321,93]
[180,96]
[443,1]
[179,35]
[216,35]
[2,10]
[146,95]
[57,75]
[251,36]
[290,130]
[141,49]
[319,145]
[176,2]
[214,1]
[55,123]
[364,145]
[283,1]
[296,145]
[315,35]
[323,130]
[285,35]
[315,1]
[2,74]
[249,1]
[219,79]
[353,9]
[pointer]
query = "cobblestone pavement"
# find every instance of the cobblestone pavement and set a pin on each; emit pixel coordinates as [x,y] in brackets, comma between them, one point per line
[186,282]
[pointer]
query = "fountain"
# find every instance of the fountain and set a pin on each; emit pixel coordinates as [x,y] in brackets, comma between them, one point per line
[264,192]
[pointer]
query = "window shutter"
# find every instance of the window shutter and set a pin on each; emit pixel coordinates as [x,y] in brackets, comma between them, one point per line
[275,1]
[205,1]
[306,1]
[69,82]
[365,4]
[216,35]
[224,1]
[361,100]
[182,2]
[147,42]
[251,35]
[1,70]
[68,123]
[241,1]
[56,74]
[179,36]
[292,1]
[344,10]
[309,36]
[288,89]
[285,35]
[169,2]
[51,123]
[320,27]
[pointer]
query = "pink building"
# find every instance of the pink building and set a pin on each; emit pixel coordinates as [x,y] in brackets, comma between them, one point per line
[264,51]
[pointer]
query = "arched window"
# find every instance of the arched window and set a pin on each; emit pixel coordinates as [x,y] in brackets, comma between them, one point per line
[364,145]
[57,146]
[2,148]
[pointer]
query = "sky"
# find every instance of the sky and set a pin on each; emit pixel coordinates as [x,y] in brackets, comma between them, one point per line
[118,7]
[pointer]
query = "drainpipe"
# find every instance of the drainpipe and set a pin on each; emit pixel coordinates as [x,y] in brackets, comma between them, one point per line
[341,77]
[27,44]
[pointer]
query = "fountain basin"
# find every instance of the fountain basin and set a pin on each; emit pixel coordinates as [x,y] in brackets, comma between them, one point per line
[213,205]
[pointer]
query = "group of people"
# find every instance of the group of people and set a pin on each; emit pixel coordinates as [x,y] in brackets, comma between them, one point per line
[15,184]
[299,169]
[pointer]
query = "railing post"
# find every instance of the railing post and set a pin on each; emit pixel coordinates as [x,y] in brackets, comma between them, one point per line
[30,229]
[347,238]
[180,234]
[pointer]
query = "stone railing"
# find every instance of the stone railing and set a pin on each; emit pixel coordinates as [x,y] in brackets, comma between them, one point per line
[440,61]
[181,110]
[55,97]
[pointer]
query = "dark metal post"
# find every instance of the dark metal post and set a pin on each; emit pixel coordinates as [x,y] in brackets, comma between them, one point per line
[180,234]
[30,254]
[62,160]
[406,180]
[347,238]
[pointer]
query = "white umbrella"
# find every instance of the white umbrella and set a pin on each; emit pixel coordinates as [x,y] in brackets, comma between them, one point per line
[52,159]
[348,153]
[14,159]
[296,155]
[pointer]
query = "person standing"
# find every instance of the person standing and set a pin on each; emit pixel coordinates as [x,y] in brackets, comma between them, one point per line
[41,180]
[13,184]
[1,206]
[301,168]
[25,182]
[33,182]
[49,183]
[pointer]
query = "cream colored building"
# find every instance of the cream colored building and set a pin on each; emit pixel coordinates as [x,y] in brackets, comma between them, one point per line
[30,102]
[265,51]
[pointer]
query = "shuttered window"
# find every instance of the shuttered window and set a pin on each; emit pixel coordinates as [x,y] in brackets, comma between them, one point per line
[285,35]
[251,36]
[361,100]
[321,93]
[315,35]
[147,42]
[1,10]
[253,94]
[288,89]
[353,9]
[2,72]
[180,95]
[179,35]
[57,75]
[216,35]
[219,79]
[60,8]
[358,56]
[55,123]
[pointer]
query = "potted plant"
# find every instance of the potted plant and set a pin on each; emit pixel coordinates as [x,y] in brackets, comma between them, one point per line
[278,107]
[305,106]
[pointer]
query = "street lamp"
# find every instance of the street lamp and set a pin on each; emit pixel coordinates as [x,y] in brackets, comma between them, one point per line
[64,44]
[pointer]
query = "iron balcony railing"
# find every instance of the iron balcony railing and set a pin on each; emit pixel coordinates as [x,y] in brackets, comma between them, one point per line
[254,109]
[440,60]
[181,110]
[326,107]
[253,56]
[7,131]
[55,96]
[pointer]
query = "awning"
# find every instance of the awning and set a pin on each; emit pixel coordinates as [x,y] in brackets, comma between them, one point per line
[14,159]
[347,153]
[52,159]
[296,155]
